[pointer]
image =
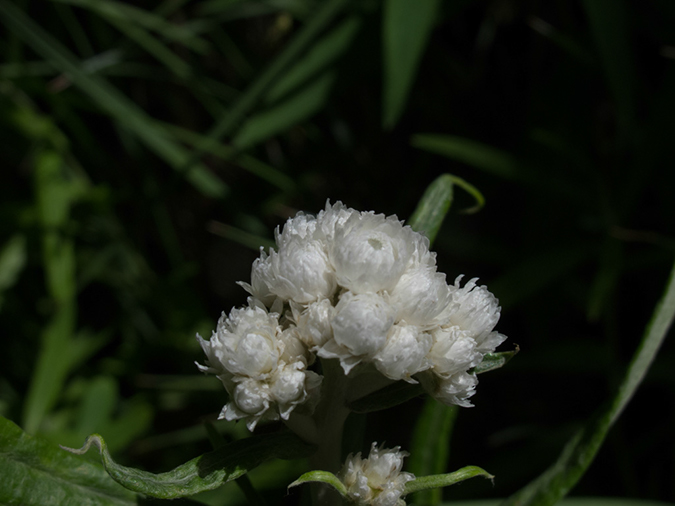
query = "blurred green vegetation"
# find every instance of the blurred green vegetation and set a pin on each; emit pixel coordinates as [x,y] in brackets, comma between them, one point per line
[151,148]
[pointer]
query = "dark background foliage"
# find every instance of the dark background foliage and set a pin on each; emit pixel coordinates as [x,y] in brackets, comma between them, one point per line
[124,232]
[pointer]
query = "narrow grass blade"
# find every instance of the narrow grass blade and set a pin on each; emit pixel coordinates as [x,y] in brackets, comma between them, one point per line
[55,191]
[472,153]
[247,162]
[324,15]
[295,109]
[580,451]
[406,30]
[436,481]
[35,472]
[323,53]
[126,13]
[110,100]
[431,442]
[205,472]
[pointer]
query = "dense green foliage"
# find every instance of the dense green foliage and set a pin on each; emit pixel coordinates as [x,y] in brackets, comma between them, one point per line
[150,148]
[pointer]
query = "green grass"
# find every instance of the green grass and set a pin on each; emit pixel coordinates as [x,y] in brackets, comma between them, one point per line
[149,150]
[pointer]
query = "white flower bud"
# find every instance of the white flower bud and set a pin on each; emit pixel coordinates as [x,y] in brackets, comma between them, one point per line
[314,322]
[333,218]
[362,322]
[291,386]
[299,271]
[405,353]
[250,400]
[421,295]
[377,480]
[370,252]
[302,226]
[473,309]
[453,351]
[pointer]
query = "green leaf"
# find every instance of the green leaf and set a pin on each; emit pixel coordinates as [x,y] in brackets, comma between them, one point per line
[35,472]
[443,480]
[580,451]
[492,361]
[431,443]
[321,477]
[471,152]
[387,397]
[205,472]
[406,30]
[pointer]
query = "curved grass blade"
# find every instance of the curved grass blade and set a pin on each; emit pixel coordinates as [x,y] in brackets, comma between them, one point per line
[321,477]
[205,472]
[406,30]
[580,451]
[432,207]
[35,472]
[436,481]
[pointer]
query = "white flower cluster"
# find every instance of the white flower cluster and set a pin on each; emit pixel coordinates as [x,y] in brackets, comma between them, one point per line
[358,287]
[377,480]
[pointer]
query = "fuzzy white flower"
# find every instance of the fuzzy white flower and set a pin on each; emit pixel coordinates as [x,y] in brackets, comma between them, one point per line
[262,367]
[299,271]
[376,480]
[405,353]
[360,328]
[314,322]
[244,343]
[455,389]
[370,252]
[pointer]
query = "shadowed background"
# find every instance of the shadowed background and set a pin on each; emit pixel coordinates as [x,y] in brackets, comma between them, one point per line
[151,148]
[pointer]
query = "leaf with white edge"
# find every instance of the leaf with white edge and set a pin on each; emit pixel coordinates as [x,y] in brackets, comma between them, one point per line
[554,483]
[321,477]
[445,480]
[205,472]
[492,361]
[387,397]
[36,472]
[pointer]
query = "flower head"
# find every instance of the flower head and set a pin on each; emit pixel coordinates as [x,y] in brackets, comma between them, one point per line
[376,480]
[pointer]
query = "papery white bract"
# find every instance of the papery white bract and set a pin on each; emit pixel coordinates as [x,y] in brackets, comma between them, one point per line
[376,480]
[358,287]
[262,367]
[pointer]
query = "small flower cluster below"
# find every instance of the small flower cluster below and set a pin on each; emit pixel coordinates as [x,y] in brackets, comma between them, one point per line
[354,286]
[376,480]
